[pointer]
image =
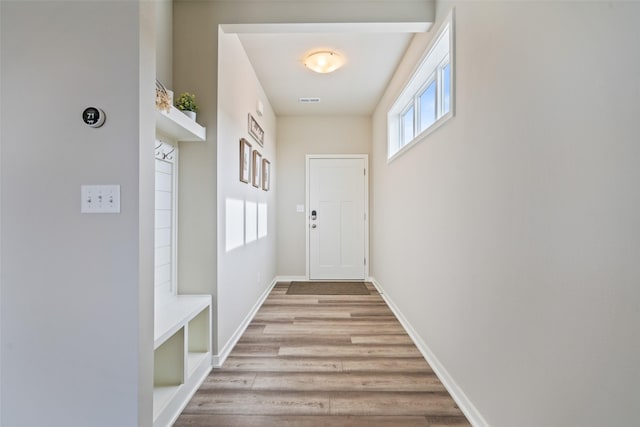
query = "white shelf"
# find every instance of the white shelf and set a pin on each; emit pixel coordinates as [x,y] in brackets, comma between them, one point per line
[162,396]
[175,313]
[177,126]
[182,354]
[194,360]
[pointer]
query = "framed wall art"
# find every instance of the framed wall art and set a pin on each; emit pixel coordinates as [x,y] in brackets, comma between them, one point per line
[245,160]
[266,174]
[255,130]
[257,168]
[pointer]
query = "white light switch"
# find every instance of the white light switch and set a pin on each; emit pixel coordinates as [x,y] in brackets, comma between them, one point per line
[100,199]
[300,208]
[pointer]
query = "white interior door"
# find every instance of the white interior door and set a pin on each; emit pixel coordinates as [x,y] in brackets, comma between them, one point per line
[337,218]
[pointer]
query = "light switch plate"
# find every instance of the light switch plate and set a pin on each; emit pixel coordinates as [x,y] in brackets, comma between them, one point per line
[100,199]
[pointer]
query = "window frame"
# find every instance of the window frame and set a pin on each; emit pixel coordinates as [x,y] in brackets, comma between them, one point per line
[441,67]
[402,127]
[423,89]
[430,68]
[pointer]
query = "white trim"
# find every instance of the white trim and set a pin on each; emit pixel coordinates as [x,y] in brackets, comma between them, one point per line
[292,279]
[365,157]
[306,217]
[458,395]
[422,136]
[376,285]
[174,223]
[171,415]
[329,27]
[218,359]
[432,59]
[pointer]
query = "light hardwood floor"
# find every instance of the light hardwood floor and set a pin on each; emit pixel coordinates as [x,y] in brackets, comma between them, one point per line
[336,360]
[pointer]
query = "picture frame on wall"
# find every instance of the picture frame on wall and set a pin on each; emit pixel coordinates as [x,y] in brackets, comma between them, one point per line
[266,174]
[255,130]
[257,169]
[245,160]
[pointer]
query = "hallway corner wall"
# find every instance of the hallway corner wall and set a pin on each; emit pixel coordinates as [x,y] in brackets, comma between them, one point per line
[247,214]
[509,237]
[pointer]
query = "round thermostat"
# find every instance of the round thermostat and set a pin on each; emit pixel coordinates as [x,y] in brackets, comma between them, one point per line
[93,117]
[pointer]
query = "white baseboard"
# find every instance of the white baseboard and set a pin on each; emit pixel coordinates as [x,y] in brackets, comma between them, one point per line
[376,285]
[291,278]
[461,399]
[306,279]
[218,359]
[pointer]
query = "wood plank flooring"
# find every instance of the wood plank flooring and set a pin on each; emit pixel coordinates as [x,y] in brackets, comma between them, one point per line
[331,360]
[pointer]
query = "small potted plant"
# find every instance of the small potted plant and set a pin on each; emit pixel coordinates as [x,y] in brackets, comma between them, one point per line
[187,104]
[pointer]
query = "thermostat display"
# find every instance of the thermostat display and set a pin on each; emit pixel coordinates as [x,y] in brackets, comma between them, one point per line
[93,117]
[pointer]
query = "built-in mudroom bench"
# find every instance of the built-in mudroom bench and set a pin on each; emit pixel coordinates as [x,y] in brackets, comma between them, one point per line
[182,323]
[182,354]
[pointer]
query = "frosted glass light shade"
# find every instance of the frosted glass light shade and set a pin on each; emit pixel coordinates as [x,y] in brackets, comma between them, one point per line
[324,62]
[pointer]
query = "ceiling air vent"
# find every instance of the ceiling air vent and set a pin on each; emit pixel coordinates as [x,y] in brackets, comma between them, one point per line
[308,100]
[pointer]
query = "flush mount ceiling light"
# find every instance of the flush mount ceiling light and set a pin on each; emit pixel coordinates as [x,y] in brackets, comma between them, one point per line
[324,61]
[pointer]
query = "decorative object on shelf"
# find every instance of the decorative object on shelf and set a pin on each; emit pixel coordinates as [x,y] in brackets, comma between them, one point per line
[255,130]
[266,174]
[245,160]
[187,104]
[257,168]
[163,99]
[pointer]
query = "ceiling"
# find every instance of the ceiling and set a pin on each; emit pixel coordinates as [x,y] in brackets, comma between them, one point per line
[354,89]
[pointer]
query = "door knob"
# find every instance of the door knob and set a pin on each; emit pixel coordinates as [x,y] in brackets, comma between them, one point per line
[313,225]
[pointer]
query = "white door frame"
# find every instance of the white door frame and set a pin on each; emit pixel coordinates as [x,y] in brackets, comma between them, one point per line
[366,205]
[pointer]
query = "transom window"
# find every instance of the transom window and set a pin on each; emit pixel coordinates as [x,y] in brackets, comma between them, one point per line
[426,101]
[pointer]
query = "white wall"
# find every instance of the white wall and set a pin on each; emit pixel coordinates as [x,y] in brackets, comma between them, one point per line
[1,134]
[297,137]
[76,306]
[245,268]
[195,70]
[509,239]
[164,42]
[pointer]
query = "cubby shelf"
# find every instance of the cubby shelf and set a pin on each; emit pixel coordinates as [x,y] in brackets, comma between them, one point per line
[177,126]
[194,360]
[176,312]
[182,354]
